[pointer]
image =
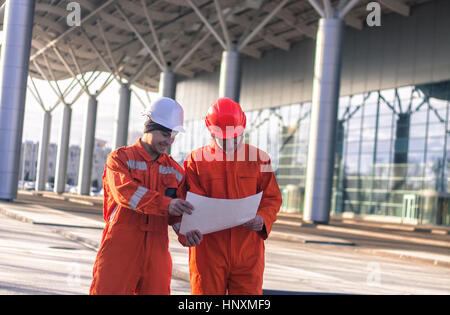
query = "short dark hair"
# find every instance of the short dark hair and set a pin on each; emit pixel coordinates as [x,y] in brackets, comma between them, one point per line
[150,125]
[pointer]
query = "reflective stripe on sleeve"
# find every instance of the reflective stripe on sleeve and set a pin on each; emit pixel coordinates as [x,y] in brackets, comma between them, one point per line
[137,196]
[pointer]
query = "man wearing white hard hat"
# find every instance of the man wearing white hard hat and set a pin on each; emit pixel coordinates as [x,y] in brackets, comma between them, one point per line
[142,196]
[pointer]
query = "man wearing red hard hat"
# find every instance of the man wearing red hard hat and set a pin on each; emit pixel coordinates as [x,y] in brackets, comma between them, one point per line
[232,260]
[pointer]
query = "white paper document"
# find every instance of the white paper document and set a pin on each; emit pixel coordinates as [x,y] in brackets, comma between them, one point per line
[212,214]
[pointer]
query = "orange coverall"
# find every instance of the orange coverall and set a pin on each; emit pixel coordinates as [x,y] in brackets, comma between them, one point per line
[133,257]
[231,259]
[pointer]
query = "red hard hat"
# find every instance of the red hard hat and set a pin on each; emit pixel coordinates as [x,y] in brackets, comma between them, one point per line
[225,119]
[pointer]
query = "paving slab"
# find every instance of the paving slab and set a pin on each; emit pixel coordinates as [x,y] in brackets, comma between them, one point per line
[295,263]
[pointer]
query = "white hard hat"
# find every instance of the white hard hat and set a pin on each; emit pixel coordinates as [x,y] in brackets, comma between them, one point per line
[166,112]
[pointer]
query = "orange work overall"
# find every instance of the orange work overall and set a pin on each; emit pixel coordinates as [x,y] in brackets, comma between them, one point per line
[231,260]
[133,257]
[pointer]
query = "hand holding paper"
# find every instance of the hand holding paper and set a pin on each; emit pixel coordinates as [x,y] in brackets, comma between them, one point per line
[178,206]
[193,238]
[212,214]
[256,224]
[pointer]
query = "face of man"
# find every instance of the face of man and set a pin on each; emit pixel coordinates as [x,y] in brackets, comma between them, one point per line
[229,145]
[158,141]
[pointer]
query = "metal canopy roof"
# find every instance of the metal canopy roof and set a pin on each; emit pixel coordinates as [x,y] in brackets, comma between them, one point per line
[137,39]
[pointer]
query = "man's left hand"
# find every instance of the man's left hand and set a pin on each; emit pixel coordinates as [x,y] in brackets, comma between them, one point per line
[193,238]
[255,224]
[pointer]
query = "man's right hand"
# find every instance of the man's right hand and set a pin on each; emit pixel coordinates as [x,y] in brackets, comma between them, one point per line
[178,207]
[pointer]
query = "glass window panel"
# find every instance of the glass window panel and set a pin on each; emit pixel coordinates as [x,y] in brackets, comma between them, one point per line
[434,159]
[385,120]
[189,131]
[294,114]
[438,104]
[352,147]
[351,183]
[385,109]
[398,183]
[417,130]
[389,98]
[405,92]
[351,164]
[301,158]
[306,107]
[196,131]
[414,169]
[369,121]
[389,95]
[415,158]
[253,137]
[418,103]
[416,145]
[284,113]
[372,99]
[397,198]
[436,118]
[262,137]
[357,99]
[352,195]
[384,134]
[382,158]
[250,117]
[367,147]
[303,132]
[263,115]
[366,164]
[419,117]
[343,101]
[383,146]
[353,135]
[354,123]
[205,133]
[370,110]
[368,134]
[442,113]
[356,111]
[436,143]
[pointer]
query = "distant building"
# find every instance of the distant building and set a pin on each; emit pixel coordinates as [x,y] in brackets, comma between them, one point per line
[29,157]
[28,161]
[98,162]
[73,163]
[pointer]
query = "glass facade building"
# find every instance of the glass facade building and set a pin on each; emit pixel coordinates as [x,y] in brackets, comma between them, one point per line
[392,155]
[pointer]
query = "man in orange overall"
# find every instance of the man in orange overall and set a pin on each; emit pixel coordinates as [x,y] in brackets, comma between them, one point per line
[231,260]
[141,197]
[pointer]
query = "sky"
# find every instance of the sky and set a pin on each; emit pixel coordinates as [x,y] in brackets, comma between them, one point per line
[108,102]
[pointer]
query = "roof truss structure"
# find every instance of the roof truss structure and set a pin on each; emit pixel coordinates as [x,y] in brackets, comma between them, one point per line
[138,39]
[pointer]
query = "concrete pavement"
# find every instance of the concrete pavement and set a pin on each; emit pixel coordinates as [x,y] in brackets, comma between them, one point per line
[51,251]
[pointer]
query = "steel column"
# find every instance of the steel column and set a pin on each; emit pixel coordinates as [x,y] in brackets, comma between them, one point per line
[42,164]
[63,151]
[168,88]
[230,75]
[167,84]
[87,148]
[401,145]
[122,118]
[321,149]
[15,55]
